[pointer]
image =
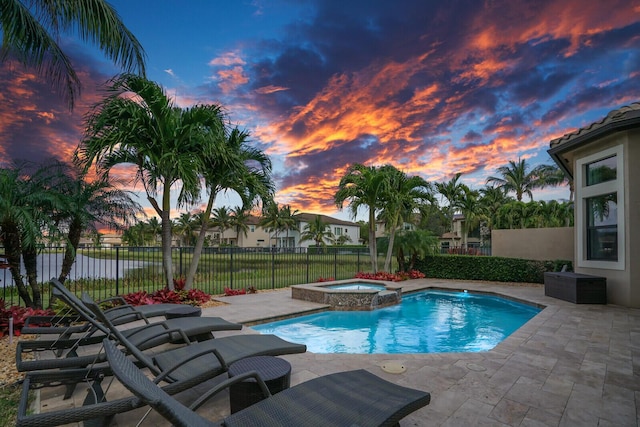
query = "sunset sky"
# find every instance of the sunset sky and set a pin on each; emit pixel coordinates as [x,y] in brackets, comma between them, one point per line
[433,87]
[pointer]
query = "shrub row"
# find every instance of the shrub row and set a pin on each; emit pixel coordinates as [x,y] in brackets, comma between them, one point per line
[494,269]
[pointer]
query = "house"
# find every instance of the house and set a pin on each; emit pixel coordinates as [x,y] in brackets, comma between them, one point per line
[455,237]
[602,161]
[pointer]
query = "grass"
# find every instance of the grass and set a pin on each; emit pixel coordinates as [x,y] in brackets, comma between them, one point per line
[9,398]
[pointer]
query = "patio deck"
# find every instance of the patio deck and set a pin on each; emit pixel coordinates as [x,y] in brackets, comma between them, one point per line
[571,365]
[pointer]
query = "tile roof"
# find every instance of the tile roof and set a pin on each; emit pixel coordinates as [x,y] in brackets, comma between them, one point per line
[615,120]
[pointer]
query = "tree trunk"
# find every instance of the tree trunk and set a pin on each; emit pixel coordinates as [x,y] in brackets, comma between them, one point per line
[373,250]
[11,242]
[400,258]
[197,251]
[75,230]
[30,257]
[392,236]
[165,215]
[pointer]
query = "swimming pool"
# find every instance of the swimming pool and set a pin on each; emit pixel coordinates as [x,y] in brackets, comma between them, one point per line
[426,322]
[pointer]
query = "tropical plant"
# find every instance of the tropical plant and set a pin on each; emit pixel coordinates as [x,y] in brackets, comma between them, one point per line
[185,227]
[24,213]
[318,231]
[232,165]
[31,31]
[416,243]
[138,124]
[270,219]
[403,197]
[470,210]
[85,205]
[516,177]
[239,219]
[452,190]
[362,186]
[491,199]
[288,221]
[221,219]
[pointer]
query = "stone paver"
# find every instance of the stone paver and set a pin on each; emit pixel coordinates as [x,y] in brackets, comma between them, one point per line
[571,365]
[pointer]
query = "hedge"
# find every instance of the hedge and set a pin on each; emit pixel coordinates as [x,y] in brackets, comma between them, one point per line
[489,268]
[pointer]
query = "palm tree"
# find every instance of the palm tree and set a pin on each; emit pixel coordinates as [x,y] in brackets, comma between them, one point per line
[154,228]
[31,30]
[232,165]
[221,219]
[553,176]
[516,177]
[85,205]
[239,218]
[491,199]
[185,226]
[24,204]
[453,191]
[318,231]
[470,210]
[363,186]
[416,242]
[270,219]
[288,221]
[402,198]
[139,125]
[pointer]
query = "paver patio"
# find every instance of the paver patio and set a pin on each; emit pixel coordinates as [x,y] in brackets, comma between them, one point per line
[571,365]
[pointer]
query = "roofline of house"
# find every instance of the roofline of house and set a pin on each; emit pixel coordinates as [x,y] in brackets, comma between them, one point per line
[559,147]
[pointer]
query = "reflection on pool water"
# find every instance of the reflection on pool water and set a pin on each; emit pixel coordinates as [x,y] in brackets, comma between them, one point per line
[425,322]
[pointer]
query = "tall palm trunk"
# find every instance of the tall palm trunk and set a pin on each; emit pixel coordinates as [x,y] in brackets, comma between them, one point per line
[392,237]
[193,267]
[373,250]
[165,212]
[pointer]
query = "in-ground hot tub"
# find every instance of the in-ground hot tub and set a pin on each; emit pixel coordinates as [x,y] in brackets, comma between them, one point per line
[353,294]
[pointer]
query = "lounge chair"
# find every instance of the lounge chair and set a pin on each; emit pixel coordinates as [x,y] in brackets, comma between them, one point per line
[178,330]
[180,368]
[353,398]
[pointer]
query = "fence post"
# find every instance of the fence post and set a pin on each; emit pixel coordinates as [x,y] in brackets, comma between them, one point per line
[358,262]
[335,263]
[117,270]
[180,265]
[308,266]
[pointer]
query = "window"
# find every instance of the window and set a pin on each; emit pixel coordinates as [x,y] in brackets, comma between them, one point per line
[602,227]
[600,210]
[252,228]
[337,231]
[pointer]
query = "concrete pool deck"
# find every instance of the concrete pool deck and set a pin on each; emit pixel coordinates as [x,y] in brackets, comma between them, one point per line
[571,365]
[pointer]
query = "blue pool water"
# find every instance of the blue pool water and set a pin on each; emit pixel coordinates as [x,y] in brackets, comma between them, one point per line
[426,322]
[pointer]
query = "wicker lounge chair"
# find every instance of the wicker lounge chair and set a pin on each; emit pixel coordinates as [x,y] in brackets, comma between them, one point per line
[178,330]
[353,398]
[181,368]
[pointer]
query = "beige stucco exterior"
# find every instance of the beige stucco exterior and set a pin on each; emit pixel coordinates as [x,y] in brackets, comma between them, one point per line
[543,244]
[619,131]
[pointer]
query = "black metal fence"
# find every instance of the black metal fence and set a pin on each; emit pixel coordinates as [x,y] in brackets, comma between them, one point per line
[105,272]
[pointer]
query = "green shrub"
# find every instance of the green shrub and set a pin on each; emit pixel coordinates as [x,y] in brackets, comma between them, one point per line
[494,269]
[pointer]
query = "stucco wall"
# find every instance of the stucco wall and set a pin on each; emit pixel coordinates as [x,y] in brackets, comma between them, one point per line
[542,244]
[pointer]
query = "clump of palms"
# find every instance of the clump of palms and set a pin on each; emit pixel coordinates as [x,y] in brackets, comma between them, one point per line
[56,200]
[139,125]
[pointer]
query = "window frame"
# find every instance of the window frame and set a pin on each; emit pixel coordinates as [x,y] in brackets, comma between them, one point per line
[585,192]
